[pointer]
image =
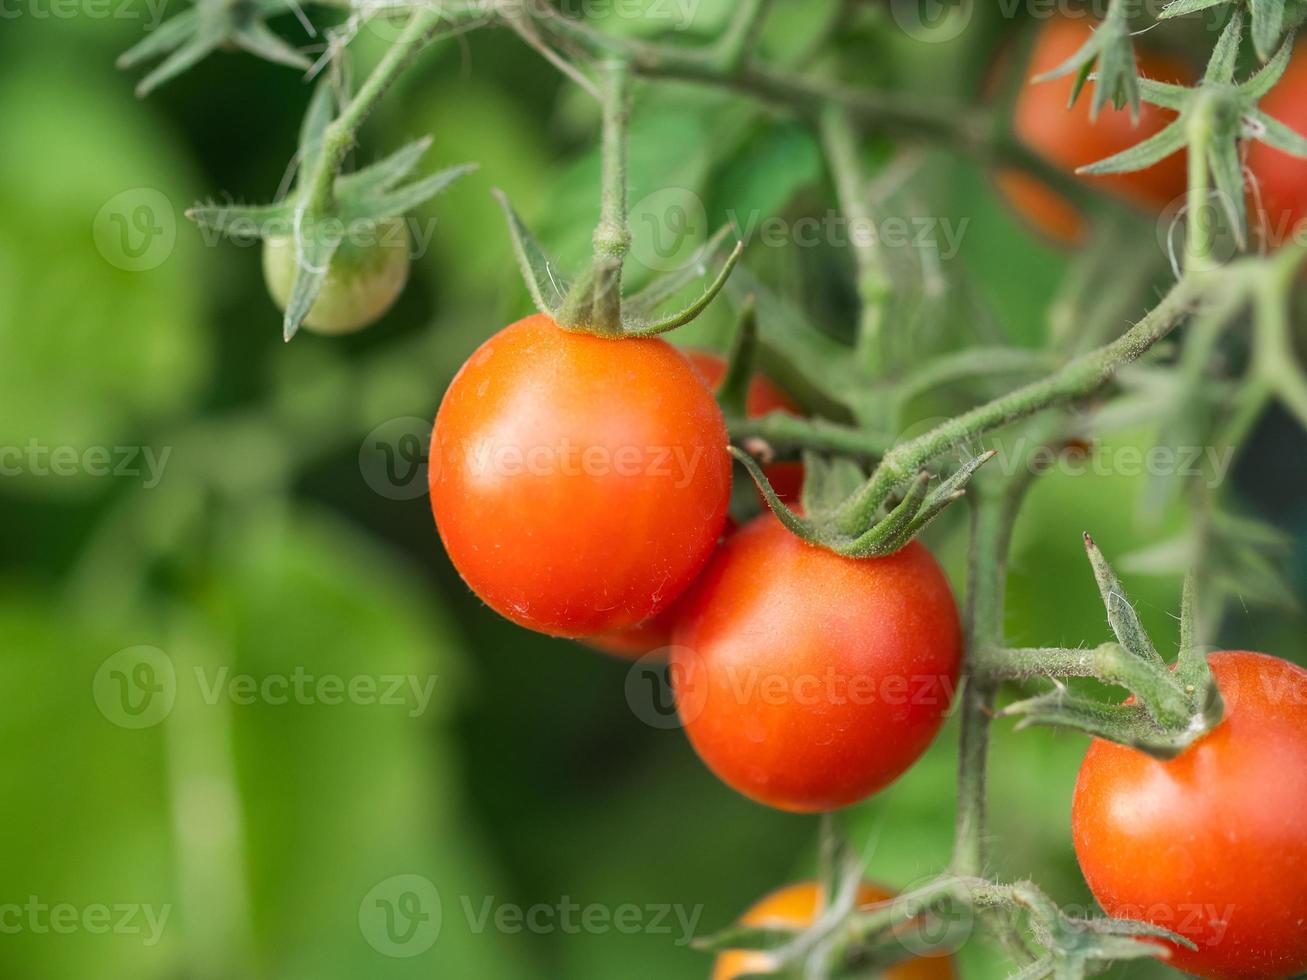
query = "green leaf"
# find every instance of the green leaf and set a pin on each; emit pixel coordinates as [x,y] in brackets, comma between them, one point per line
[1270,74]
[314,247]
[1268,25]
[1121,615]
[1226,167]
[399,201]
[245,222]
[384,174]
[1178,8]
[547,286]
[313,128]
[1128,725]
[1225,56]
[1277,134]
[635,326]
[192,35]
[1142,155]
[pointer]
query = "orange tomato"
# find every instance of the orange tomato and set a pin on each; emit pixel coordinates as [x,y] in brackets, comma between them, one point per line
[798,906]
[1069,139]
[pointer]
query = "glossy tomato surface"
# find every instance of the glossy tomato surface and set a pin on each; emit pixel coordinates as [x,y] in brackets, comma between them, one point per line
[1279,195]
[808,681]
[579,484]
[798,906]
[1211,844]
[1070,139]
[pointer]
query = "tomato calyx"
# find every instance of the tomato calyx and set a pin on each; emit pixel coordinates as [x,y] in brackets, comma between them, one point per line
[1172,706]
[1213,119]
[855,516]
[351,219]
[1111,48]
[592,302]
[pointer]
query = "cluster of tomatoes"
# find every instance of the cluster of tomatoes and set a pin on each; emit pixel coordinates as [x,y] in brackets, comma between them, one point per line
[1067,137]
[581,488]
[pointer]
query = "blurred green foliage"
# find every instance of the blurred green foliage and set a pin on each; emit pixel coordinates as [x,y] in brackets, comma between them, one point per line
[264,829]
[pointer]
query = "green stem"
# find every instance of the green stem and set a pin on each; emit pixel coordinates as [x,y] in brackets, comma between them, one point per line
[782,431]
[341,134]
[851,188]
[741,36]
[1201,237]
[1078,378]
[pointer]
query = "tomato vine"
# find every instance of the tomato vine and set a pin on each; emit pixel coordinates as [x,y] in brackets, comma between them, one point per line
[885,490]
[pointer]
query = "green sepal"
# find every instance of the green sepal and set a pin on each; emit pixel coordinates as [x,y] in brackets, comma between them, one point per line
[1121,615]
[1125,724]
[592,303]
[192,35]
[733,392]
[1111,49]
[863,529]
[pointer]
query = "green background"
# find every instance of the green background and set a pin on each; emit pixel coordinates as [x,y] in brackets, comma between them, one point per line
[264,549]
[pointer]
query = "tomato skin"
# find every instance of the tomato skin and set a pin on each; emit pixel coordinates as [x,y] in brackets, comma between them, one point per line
[363,282]
[1281,179]
[1069,139]
[808,681]
[579,484]
[798,905]
[1211,844]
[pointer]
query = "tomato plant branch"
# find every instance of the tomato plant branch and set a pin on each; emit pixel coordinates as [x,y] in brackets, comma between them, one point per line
[851,190]
[1078,378]
[342,132]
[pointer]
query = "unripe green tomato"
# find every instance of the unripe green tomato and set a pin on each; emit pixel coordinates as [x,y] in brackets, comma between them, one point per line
[367,275]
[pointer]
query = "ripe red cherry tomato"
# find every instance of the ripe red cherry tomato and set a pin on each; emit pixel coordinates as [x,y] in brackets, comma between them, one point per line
[1069,139]
[579,484]
[763,398]
[798,906]
[1212,844]
[1279,201]
[808,681]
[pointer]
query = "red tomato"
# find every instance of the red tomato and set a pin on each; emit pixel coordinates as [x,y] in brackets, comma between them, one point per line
[1280,179]
[1069,139]
[763,398]
[808,681]
[786,479]
[579,484]
[798,906]
[1211,844]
